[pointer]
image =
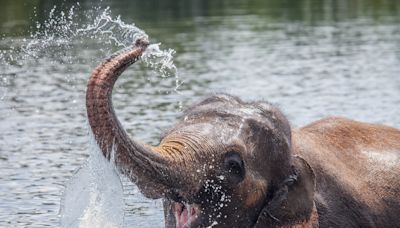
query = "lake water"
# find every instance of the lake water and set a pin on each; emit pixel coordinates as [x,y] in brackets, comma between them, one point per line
[312,58]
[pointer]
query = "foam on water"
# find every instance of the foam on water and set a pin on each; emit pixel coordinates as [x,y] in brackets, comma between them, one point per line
[94,196]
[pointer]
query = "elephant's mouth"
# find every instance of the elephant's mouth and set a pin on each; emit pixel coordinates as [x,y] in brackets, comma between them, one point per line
[186,215]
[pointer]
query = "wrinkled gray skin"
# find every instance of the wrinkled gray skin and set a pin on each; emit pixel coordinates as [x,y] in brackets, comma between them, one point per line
[241,158]
[226,163]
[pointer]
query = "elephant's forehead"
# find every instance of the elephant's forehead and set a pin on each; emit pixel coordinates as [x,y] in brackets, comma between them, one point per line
[226,112]
[209,129]
[212,132]
[218,125]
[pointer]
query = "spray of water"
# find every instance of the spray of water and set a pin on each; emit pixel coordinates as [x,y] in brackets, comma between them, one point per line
[94,195]
[56,39]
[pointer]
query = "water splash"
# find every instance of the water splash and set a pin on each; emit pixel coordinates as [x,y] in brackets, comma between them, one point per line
[64,35]
[162,61]
[56,40]
[93,197]
[61,30]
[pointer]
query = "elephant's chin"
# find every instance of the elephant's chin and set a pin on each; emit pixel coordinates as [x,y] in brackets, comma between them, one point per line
[186,215]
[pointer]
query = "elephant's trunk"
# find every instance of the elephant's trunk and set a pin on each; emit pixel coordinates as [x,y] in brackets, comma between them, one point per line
[141,163]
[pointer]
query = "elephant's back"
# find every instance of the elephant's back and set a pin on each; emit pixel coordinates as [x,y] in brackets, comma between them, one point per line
[359,162]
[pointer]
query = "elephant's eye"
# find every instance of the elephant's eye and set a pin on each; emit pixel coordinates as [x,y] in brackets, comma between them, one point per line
[234,166]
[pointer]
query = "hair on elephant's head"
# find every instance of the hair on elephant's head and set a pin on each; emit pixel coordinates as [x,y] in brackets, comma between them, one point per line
[225,163]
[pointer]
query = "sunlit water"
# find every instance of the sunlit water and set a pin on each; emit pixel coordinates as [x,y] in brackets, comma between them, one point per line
[311,60]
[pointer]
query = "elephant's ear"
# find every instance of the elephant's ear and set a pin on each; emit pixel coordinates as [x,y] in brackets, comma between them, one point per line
[293,201]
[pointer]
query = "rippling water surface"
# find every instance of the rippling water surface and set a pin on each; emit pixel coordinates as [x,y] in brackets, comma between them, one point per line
[312,58]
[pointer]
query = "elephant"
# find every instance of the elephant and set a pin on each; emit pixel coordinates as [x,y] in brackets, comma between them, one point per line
[231,163]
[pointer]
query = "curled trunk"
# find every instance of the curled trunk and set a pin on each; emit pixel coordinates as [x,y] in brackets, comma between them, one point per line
[141,163]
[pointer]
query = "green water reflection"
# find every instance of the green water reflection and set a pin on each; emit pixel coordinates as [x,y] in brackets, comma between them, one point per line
[18,17]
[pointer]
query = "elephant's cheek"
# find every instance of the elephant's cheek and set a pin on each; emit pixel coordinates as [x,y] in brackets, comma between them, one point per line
[252,192]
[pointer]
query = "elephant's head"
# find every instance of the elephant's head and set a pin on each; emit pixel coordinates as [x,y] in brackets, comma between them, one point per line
[225,163]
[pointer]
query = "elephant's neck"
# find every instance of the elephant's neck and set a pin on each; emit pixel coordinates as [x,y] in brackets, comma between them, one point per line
[311,222]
